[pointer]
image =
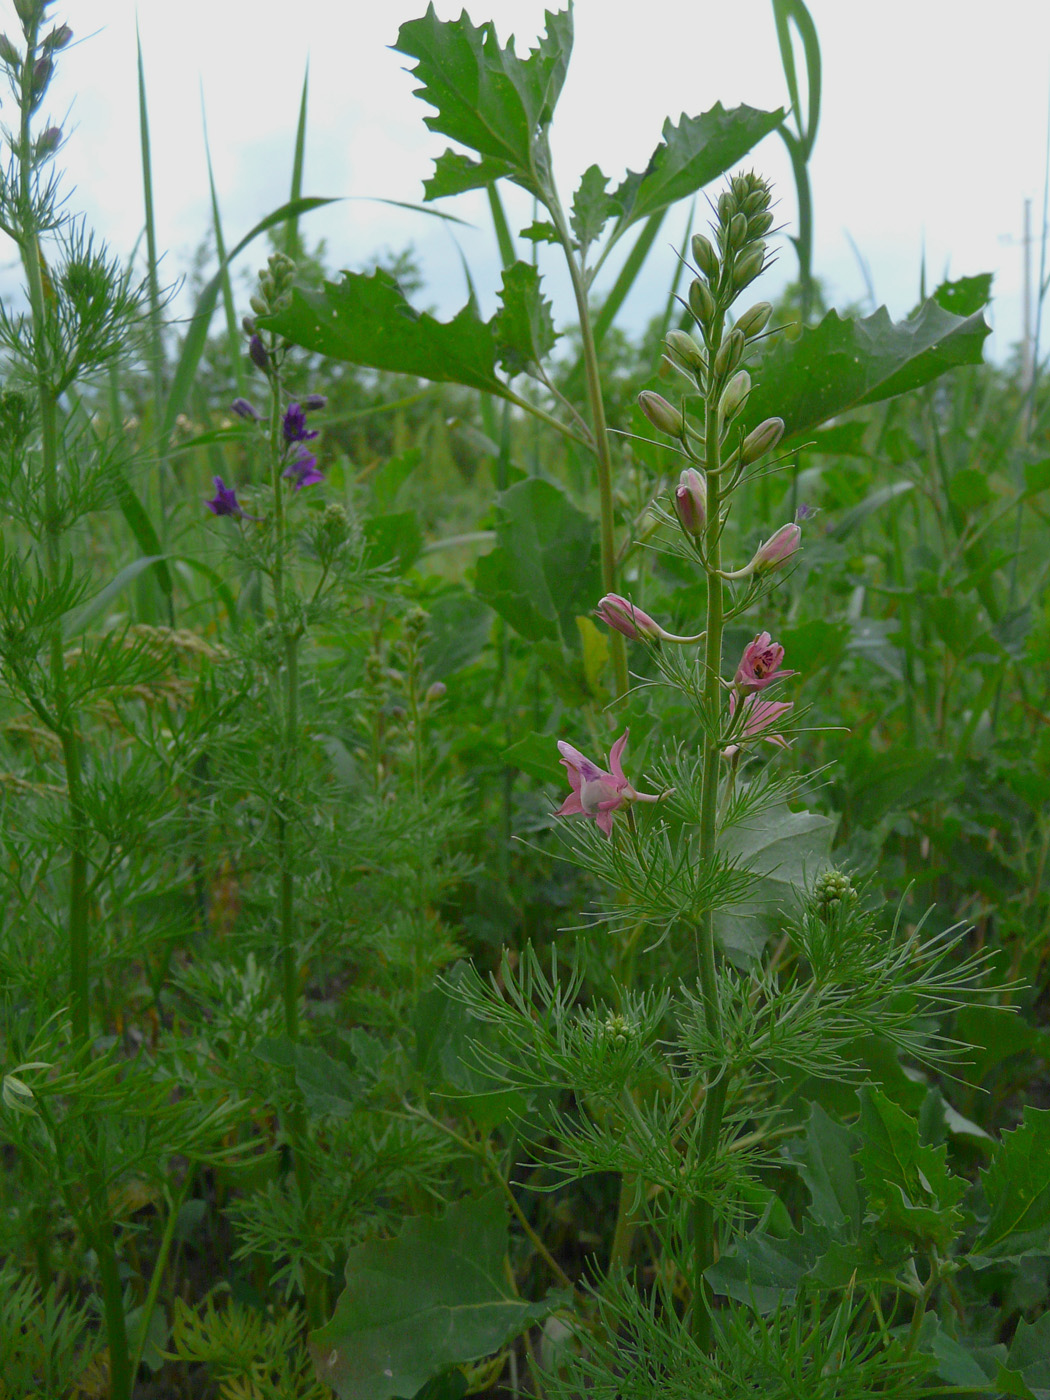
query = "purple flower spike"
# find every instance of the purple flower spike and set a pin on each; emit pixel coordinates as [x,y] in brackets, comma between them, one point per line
[295,424]
[244,409]
[225,502]
[303,471]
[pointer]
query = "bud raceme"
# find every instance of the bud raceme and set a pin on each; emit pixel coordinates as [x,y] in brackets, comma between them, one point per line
[661,414]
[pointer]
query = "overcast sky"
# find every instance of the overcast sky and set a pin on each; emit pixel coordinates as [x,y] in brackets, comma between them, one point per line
[932,135]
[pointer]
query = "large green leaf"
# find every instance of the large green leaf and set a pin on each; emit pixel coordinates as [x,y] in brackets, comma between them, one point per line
[1017,1189]
[825,1163]
[842,364]
[544,571]
[690,156]
[784,849]
[367,321]
[434,1297]
[487,97]
[909,1187]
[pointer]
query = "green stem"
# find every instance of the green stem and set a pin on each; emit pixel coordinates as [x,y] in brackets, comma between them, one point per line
[33,263]
[314,1283]
[120,1372]
[159,1265]
[704,1224]
[602,449]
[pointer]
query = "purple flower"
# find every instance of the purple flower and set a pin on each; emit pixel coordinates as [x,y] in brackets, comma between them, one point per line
[303,470]
[315,401]
[225,502]
[295,424]
[244,409]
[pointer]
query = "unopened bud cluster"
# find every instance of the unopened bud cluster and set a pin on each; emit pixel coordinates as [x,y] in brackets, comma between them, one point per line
[833,891]
[274,294]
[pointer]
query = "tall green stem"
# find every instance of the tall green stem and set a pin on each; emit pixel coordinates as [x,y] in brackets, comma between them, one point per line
[704,1224]
[33,264]
[289,633]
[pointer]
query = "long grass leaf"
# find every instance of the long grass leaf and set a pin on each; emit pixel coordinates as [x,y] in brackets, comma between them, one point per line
[232,329]
[293,243]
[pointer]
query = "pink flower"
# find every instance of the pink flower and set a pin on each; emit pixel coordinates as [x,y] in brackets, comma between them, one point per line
[596,793]
[621,614]
[758,716]
[690,501]
[759,665]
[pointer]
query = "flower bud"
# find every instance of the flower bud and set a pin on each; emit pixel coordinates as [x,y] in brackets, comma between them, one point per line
[661,414]
[777,550]
[58,38]
[244,409]
[690,502]
[312,402]
[622,616]
[754,321]
[749,266]
[735,394]
[8,53]
[741,187]
[259,305]
[736,234]
[705,257]
[435,691]
[729,353]
[257,352]
[726,206]
[761,439]
[48,142]
[701,302]
[760,224]
[248,325]
[685,350]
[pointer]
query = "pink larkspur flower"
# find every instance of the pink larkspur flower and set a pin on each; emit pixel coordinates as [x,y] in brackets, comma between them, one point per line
[760,665]
[597,793]
[759,715]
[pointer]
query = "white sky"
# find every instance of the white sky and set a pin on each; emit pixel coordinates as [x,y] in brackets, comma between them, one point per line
[933,128]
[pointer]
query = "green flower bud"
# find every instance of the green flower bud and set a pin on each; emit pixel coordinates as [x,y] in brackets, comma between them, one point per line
[741,188]
[749,266]
[736,234]
[754,321]
[759,225]
[661,414]
[8,53]
[735,395]
[259,305]
[726,207]
[705,257]
[701,302]
[685,350]
[761,439]
[833,890]
[729,353]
